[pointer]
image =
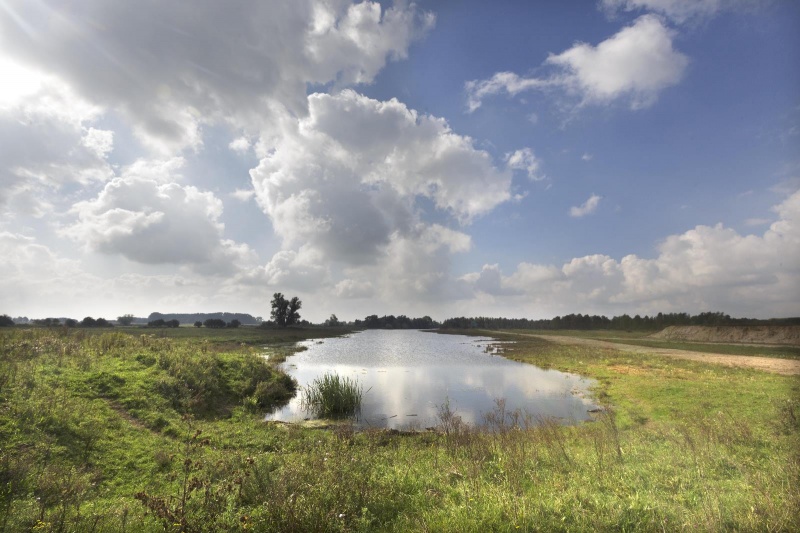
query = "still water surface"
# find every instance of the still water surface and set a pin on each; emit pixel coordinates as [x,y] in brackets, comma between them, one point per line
[407,375]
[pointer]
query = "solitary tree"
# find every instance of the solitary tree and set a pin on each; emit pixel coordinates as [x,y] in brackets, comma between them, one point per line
[332,321]
[293,315]
[279,308]
[198,324]
[125,320]
[284,312]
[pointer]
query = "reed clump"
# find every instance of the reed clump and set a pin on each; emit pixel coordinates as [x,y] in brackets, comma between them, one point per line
[332,396]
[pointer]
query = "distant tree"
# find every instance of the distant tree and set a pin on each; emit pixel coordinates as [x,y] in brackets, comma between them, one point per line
[174,323]
[285,312]
[125,320]
[234,323]
[333,321]
[103,323]
[47,322]
[279,309]
[71,323]
[88,322]
[6,322]
[158,323]
[214,323]
[293,315]
[198,324]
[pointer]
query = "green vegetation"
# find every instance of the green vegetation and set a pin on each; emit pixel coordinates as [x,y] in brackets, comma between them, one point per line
[119,431]
[332,396]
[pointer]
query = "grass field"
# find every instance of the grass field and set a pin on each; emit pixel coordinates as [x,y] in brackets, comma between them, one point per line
[115,431]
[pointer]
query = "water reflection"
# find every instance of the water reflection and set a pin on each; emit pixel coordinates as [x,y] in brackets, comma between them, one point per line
[409,374]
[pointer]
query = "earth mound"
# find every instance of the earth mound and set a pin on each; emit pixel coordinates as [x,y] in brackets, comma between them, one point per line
[732,334]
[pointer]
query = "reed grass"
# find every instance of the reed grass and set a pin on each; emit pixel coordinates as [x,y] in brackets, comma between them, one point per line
[332,396]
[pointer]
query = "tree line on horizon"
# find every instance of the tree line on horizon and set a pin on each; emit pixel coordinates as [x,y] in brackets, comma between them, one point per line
[395,322]
[286,313]
[621,322]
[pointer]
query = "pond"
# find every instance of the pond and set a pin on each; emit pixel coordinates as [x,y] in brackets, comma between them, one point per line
[409,375]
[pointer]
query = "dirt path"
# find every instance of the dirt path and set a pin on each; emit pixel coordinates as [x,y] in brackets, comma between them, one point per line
[787,367]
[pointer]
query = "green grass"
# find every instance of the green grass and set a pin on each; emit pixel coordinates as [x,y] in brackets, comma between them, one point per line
[332,396]
[119,432]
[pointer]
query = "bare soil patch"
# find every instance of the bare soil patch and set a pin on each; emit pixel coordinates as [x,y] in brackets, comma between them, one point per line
[732,334]
[769,364]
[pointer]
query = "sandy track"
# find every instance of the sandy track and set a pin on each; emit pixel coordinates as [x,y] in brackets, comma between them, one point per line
[789,367]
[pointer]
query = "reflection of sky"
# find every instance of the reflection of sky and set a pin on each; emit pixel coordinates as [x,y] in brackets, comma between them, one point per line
[407,375]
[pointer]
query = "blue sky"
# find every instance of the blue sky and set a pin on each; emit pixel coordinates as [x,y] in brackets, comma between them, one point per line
[443,158]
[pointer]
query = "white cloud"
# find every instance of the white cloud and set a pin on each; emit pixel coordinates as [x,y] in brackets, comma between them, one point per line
[635,65]
[147,219]
[243,195]
[587,157]
[678,10]
[47,142]
[353,289]
[18,82]
[706,268]
[302,270]
[240,145]
[346,179]
[638,63]
[587,208]
[29,269]
[171,67]
[509,82]
[524,159]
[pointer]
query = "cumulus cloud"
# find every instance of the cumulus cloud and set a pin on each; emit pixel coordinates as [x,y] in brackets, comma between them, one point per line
[417,266]
[352,289]
[346,179]
[171,67]
[147,219]
[302,270]
[243,195]
[587,208]
[708,267]
[634,65]
[240,145]
[30,269]
[47,141]
[524,159]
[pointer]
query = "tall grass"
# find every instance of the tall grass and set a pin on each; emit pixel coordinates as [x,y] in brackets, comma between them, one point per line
[332,396]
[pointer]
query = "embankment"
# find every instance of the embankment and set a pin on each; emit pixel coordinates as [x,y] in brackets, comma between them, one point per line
[729,334]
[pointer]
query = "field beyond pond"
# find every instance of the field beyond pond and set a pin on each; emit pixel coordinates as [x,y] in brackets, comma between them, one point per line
[135,430]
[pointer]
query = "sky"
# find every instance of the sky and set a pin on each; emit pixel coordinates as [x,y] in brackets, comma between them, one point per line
[442,158]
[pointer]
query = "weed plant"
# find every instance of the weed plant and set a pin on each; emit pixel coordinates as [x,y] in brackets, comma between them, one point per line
[332,396]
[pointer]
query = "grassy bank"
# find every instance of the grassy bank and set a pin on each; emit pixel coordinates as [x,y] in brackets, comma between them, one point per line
[120,432]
